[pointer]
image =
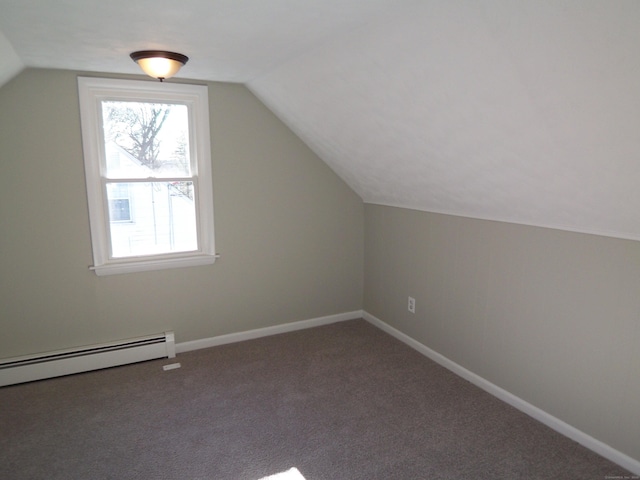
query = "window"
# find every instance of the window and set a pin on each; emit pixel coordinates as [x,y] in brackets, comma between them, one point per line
[119,202]
[148,169]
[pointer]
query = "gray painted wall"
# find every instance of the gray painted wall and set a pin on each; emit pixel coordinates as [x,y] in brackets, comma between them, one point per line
[290,232]
[550,316]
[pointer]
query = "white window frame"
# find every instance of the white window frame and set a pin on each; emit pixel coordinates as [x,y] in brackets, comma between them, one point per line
[92,91]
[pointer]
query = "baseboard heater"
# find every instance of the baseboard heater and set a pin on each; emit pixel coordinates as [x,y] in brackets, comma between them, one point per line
[87,358]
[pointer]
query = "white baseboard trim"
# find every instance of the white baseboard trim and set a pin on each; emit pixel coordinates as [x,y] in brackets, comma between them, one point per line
[556,424]
[265,332]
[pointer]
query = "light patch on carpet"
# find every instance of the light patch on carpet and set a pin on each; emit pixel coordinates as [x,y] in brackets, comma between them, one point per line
[291,474]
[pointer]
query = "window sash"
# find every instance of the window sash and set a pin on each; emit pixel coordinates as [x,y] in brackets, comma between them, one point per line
[183,114]
[166,228]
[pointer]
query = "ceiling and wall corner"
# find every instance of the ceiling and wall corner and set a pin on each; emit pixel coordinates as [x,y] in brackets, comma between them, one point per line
[521,112]
[10,63]
[524,112]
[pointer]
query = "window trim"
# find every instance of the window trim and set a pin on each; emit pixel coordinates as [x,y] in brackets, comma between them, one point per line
[91,91]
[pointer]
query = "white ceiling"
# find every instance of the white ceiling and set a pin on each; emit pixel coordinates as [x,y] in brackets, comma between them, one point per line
[521,111]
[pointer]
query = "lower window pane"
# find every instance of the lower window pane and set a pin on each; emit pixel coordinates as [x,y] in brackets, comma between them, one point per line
[160,217]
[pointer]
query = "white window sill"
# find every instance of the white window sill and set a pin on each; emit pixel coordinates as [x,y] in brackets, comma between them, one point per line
[133,266]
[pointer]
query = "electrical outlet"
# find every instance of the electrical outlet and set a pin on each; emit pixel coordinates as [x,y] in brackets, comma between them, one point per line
[411,306]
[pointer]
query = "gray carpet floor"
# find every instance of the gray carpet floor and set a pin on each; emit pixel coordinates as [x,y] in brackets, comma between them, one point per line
[343,401]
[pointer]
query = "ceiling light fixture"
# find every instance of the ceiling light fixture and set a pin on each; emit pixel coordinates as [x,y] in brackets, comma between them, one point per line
[159,64]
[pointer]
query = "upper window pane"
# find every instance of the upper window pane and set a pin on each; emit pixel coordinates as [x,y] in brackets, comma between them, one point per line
[146,140]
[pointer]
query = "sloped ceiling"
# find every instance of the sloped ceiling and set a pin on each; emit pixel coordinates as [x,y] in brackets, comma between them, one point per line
[519,111]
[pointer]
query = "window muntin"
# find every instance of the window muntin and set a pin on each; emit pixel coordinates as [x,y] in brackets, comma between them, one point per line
[147,164]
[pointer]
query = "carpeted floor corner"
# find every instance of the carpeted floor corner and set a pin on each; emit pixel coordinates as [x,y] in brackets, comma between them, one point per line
[343,401]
